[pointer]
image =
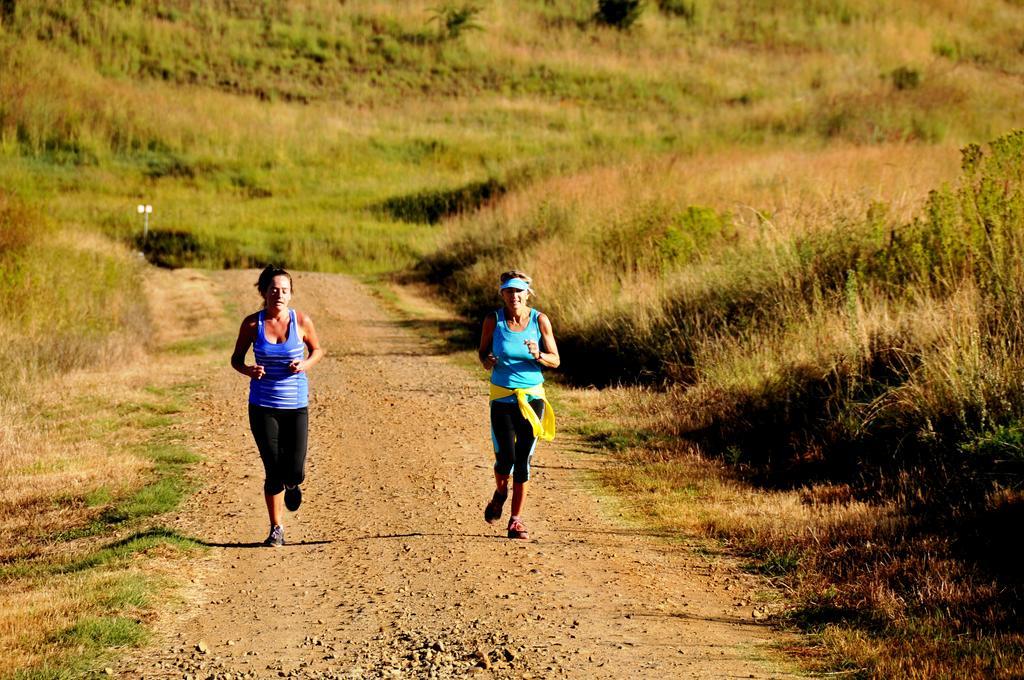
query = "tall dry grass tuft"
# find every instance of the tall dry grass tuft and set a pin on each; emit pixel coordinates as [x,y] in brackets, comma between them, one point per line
[75,306]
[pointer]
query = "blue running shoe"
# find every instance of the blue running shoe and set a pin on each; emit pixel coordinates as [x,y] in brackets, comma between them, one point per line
[276,537]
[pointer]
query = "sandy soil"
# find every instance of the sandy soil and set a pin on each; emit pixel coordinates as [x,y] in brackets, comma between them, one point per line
[390,570]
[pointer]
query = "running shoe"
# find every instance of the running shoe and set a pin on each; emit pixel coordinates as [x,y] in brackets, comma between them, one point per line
[492,513]
[292,497]
[276,537]
[516,529]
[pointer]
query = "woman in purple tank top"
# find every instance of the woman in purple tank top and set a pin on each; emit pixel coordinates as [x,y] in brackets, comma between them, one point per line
[516,342]
[285,346]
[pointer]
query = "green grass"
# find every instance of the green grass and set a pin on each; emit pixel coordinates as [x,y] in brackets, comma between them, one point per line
[114,601]
[119,551]
[217,341]
[608,435]
[103,632]
[98,497]
[774,563]
[155,498]
[98,639]
[120,590]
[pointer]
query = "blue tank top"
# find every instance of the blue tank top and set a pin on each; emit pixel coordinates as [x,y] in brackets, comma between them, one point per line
[279,387]
[515,367]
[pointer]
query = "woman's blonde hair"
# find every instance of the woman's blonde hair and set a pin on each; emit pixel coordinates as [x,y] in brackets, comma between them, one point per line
[517,274]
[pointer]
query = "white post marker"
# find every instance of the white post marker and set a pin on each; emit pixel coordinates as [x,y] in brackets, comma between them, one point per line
[145,210]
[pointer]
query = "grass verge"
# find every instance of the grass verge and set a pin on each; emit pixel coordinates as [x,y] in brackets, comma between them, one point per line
[68,619]
[85,574]
[94,457]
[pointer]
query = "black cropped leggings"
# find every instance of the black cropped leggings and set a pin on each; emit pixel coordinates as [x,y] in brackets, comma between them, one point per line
[281,435]
[513,439]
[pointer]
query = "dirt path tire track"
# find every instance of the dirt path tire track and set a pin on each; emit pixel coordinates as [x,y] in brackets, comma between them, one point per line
[390,570]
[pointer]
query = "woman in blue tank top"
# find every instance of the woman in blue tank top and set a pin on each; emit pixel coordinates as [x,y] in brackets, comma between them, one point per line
[515,343]
[285,346]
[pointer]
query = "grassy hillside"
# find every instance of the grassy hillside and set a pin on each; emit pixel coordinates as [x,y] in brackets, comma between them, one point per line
[759,212]
[243,121]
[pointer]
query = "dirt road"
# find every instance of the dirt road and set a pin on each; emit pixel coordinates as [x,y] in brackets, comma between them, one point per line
[390,570]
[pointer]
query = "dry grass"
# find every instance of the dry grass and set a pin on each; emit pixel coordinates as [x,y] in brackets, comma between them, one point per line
[770,196]
[885,597]
[49,477]
[865,429]
[89,445]
[75,449]
[35,612]
[71,436]
[889,593]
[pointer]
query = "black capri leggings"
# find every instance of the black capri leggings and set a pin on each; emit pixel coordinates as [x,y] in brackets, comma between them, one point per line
[513,439]
[280,435]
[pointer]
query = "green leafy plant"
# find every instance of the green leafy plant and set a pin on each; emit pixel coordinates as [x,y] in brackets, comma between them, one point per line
[454,20]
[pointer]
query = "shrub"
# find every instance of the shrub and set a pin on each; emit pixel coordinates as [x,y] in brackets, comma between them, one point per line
[169,165]
[432,205]
[169,248]
[620,14]
[905,78]
[454,20]
[679,8]
[660,238]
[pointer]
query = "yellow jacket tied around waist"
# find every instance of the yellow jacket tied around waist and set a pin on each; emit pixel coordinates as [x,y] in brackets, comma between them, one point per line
[543,429]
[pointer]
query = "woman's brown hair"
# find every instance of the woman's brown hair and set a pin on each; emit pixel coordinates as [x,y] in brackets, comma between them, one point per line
[267,278]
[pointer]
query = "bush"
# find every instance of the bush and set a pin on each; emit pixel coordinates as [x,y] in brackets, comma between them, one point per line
[433,205]
[454,20]
[679,8]
[620,14]
[905,78]
[170,248]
